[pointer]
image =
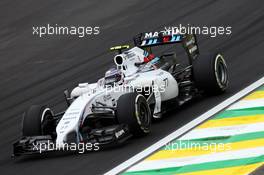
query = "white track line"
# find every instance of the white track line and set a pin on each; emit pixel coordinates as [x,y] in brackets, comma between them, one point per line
[128,163]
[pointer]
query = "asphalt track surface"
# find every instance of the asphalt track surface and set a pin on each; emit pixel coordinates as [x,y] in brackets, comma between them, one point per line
[36,70]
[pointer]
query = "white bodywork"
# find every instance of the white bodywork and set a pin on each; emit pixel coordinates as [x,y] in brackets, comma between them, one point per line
[86,95]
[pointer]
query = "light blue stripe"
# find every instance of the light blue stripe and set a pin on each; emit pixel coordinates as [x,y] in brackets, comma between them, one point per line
[176,38]
[155,41]
[150,42]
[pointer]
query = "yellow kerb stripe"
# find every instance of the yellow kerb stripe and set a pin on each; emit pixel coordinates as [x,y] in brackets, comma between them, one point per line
[255,95]
[233,121]
[238,170]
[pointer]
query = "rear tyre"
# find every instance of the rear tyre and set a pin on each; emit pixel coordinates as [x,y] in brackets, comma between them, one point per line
[38,120]
[133,110]
[210,73]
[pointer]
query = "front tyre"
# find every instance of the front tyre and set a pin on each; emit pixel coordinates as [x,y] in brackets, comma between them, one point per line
[210,73]
[133,110]
[38,120]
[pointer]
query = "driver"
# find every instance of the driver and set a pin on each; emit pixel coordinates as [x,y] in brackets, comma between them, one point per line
[113,77]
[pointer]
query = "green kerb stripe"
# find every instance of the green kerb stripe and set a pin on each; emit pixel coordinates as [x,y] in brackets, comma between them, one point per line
[261,88]
[200,167]
[239,113]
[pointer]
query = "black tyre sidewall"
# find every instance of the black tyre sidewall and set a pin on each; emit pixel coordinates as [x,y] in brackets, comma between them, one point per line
[127,113]
[32,124]
[205,73]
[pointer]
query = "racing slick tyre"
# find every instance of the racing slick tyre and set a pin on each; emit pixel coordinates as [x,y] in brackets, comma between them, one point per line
[133,110]
[38,120]
[210,73]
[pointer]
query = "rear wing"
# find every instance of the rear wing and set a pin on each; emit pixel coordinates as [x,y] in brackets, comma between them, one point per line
[150,39]
[154,39]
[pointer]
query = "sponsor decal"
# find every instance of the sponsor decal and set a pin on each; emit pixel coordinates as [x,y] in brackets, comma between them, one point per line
[156,34]
[119,133]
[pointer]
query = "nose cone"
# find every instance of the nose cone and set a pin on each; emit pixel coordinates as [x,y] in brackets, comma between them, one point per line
[70,121]
[60,142]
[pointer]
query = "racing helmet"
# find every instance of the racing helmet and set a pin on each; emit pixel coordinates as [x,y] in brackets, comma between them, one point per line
[113,77]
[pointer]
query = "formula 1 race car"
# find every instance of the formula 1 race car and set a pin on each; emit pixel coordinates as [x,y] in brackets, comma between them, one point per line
[141,86]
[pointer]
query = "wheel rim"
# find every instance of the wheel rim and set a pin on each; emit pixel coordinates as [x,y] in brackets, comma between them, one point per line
[46,119]
[143,113]
[221,72]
